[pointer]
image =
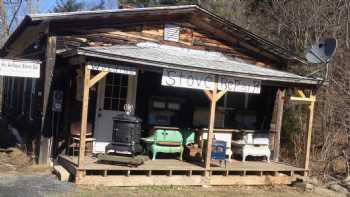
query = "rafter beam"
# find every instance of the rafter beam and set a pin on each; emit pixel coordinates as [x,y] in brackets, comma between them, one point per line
[219,95]
[301,93]
[208,94]
[294,98]
[97,78]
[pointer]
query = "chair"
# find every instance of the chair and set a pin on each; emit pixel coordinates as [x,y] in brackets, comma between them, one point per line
[164,140]
[75,129]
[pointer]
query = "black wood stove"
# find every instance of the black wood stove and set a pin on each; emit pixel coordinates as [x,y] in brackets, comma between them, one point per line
[126,135]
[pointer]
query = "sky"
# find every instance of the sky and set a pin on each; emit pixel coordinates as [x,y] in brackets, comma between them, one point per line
[45,6]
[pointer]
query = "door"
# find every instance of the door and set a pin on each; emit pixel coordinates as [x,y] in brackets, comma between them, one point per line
[114,91]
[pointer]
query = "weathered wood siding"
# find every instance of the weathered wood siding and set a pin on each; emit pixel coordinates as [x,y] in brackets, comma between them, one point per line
[190,37]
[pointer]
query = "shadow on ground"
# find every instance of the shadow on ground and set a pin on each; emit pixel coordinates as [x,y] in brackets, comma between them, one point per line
[33,186]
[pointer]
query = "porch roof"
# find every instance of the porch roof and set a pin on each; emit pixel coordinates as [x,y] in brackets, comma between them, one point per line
[164,56]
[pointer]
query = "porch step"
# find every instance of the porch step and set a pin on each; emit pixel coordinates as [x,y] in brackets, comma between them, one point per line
[62,173]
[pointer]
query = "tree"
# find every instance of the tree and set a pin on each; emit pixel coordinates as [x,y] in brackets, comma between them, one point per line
[68,6]
[3,18]
[149,3]
[296,24]
[75,5]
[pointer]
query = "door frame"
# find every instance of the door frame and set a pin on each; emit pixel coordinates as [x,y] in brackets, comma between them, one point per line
[130,98]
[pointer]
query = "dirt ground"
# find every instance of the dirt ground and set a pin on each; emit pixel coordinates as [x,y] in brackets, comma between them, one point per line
[14,162]
[20,178]
[172,191]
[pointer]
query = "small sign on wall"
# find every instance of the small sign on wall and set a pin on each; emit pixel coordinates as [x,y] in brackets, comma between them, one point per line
[112,68]
[19,68]
[57,101]
[203,81]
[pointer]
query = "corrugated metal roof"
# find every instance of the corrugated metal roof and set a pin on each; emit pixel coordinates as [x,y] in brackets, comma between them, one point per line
[194,60]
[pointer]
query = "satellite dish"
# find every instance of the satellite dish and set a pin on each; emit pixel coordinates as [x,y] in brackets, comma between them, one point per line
[322,51]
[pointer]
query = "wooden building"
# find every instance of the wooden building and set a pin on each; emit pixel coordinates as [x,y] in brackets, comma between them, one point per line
[215,75]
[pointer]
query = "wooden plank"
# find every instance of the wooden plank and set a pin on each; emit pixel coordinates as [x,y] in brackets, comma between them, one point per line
[279,117]
[97,78]
[301,93]
[84,117]
[310,99]
[184,180]
[143,180]
[50,59]
[221,32]
[222,130]
[219,95]
[211,125]
[177,165]
[309,132]
[189,173]
[129,35]
[251,180]
[67,164]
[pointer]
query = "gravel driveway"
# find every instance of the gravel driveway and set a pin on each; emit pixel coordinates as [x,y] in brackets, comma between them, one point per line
[33,186]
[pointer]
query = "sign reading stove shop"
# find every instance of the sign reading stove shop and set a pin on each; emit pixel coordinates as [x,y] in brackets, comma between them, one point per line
[203,81]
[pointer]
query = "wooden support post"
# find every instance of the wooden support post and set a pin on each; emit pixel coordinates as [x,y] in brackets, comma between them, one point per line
[309,131]
[45,138]
[213,97]
[279,117]
[189,173]
[84,118]
[211,127]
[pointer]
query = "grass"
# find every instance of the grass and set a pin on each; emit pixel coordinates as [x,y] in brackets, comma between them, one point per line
[175,191]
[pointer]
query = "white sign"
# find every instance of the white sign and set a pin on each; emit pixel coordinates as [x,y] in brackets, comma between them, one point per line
[232,84]
[16,68]
[186,79]
[203,81]
[112,68]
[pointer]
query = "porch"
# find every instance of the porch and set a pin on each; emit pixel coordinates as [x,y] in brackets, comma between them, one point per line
[176,172]
[184,97]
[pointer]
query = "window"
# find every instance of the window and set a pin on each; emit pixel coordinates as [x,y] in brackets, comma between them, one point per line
[171,32]
[116,91]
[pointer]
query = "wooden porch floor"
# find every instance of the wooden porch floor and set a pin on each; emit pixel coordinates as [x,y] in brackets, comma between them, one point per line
[176,172]
[174,164]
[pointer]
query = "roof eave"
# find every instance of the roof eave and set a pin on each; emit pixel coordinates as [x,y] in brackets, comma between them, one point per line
[310,82]
[25,22]
[65,15]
